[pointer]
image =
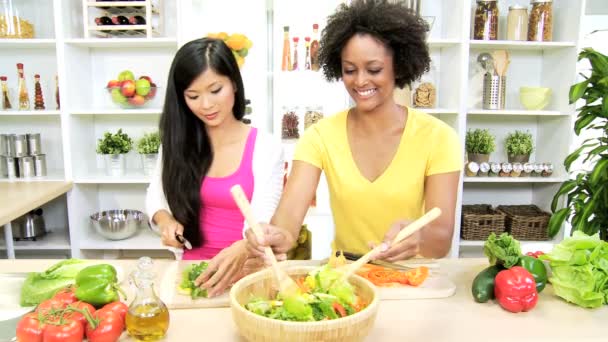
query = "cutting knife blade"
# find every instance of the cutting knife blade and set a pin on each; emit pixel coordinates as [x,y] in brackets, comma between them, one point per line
[183,241]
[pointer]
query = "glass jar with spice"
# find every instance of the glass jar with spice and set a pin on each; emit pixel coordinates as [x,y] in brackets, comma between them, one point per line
[290,123]
[517,23]
[540,24]
[312,115]
[485,26]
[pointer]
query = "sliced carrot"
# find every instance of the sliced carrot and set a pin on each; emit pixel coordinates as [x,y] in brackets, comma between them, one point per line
[417,276]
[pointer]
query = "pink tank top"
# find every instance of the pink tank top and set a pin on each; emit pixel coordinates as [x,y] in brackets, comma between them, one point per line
[220,220]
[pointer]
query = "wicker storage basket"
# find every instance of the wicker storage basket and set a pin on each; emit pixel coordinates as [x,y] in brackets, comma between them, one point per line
[479,220]
[526,222]
[258,328]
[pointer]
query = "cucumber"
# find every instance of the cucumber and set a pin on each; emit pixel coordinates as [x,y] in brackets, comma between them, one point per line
[483,284]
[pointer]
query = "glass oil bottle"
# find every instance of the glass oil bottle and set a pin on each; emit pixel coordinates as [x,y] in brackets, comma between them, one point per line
[148,317]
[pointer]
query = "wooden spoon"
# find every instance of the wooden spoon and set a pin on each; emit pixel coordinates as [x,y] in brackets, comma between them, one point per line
[287,285]
[427,218]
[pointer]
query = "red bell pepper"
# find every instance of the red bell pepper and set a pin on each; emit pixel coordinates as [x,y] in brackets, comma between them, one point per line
[515,289]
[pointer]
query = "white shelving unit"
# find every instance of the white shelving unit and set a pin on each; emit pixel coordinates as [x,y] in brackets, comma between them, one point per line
[85,65]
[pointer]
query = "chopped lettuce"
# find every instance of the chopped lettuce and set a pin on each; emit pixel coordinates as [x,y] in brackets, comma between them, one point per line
[502,250]
[326,289]
[189,275]
[39,286]
[579,266]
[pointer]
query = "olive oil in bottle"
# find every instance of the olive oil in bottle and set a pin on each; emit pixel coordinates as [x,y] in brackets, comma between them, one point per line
[148,317]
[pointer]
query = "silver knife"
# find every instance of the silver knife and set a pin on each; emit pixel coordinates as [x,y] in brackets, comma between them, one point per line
[183,241]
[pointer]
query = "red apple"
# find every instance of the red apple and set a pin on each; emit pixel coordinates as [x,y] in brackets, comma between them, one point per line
[127,88]
[146,78]
[152,91]
[113,84]
[137,100]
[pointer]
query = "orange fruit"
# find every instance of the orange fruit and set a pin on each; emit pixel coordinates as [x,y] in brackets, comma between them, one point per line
[236,41]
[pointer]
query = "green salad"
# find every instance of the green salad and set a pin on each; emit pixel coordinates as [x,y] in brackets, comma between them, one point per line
[189,275]
[324,296]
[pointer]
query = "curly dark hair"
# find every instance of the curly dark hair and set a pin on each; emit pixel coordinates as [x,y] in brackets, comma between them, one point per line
[399,28]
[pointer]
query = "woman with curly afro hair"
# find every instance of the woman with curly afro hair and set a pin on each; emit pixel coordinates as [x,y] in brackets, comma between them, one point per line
[385,164]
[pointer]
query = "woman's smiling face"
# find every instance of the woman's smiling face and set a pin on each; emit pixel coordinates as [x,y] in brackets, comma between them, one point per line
[367,71]
[211,98]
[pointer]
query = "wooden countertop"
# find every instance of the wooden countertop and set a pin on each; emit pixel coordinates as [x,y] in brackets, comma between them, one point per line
[17,198]
[457,318]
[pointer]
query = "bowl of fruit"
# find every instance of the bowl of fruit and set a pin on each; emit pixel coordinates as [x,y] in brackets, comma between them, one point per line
[129,92]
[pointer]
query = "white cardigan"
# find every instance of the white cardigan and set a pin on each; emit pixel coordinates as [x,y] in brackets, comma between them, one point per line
[267,166]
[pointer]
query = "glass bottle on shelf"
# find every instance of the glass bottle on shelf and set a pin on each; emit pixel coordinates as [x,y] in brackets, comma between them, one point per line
[312,115]
[290,123]
[57,92]
[38,97]
[485,26]
[6,100]
[540,25]
[148,317]
[517,23]
[295,53]
[314,48]
[286,60]
[307,58]
[24,99]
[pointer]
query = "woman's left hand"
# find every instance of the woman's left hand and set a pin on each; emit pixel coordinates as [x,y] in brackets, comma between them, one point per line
[406,249]
[223,269]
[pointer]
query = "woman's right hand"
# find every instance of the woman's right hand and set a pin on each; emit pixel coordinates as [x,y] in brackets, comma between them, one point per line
[168,229]
[277,238]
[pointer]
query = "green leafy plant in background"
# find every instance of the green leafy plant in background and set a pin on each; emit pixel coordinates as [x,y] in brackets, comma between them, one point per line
[149,143]
[117,143]
[587,193]
[518,143]
[479,141]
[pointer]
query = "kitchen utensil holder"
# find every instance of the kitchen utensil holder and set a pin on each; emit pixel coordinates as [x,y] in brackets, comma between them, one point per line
[494,88]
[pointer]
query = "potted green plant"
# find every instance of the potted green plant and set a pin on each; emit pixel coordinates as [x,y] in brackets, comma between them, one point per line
[114,147]
[519,146]
[479,143]
[586,207]
[148,147]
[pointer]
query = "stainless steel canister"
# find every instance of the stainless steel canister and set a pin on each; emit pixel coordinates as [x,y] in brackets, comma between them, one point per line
[33,144]
[26,167]
[3,167]
[4,141]
[494,88]
[40,165]
[12,168]
[21,145]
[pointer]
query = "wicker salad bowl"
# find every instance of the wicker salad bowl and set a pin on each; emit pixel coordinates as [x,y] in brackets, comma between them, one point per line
[259,328]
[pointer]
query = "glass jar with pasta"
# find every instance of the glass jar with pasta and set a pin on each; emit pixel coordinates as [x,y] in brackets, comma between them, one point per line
[12,24]
[540,25]
[485,26]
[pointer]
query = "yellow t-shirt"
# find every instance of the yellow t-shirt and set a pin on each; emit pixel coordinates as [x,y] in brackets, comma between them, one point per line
[362,210]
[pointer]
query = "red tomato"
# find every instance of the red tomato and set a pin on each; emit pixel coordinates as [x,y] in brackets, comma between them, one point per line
[118,307]
[537,253]
[109,329]
[29,329]
[77,316]
[339,309]
[70,331]
[66,295]
[50,305]
[531,254]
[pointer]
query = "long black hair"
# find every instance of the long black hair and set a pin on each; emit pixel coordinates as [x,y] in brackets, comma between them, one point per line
[400,29]
[187,152]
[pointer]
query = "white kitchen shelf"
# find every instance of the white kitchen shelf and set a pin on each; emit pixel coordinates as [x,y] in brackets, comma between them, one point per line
[522,112]
[123,42]
[56,239]
[525,245]
[515,179]
[519,45]
[40,43]
[99,177]
[30,113]
[118,111]
[144,239]
[439,110]
[441,43]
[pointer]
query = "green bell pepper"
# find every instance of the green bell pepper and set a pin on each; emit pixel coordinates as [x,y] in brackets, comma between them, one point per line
[98,285]
[536,268]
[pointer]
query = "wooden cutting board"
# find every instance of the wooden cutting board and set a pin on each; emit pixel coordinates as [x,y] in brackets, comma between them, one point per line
[437,285]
